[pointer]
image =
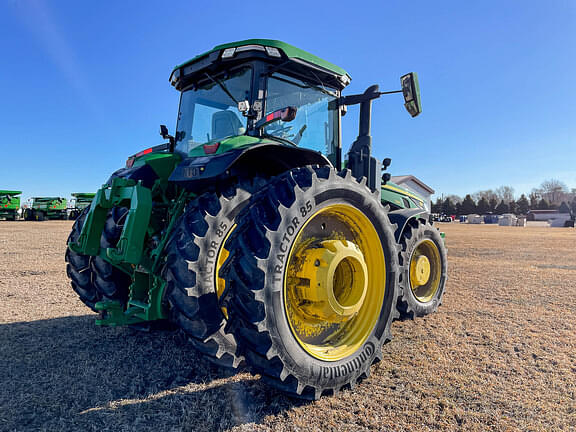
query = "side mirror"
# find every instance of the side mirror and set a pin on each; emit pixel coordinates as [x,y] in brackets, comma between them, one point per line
[164,134]
[411,92]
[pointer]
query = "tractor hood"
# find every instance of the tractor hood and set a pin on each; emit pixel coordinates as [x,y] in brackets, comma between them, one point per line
[400,197]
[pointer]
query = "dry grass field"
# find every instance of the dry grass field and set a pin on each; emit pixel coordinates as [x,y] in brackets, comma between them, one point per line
[499,355]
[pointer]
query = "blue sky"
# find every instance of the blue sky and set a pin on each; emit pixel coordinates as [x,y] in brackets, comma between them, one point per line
[83,85]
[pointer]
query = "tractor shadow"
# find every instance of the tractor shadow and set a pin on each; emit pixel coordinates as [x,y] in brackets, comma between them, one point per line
[68,374]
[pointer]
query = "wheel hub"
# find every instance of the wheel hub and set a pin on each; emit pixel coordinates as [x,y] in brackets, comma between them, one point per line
[333,280]
[419,270]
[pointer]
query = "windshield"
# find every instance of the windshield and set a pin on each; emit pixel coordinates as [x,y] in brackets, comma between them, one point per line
[316,124]
[209,112]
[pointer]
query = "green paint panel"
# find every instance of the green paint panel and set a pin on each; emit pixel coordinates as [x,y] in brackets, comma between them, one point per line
[162,163]
[9,201]
[227,144]
[400,197]
[48,203]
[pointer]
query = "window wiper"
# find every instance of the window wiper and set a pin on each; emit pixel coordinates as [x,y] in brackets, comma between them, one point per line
[222,86]
[306,86]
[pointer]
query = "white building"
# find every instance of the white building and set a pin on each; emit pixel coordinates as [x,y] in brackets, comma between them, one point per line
[553,217]
[415,185]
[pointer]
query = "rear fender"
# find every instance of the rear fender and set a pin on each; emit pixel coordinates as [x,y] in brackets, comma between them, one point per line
[259,160]
[403,217]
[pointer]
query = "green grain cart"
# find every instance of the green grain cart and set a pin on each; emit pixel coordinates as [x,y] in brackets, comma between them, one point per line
[43,208]
[9,204]
[80,201]
[252,232]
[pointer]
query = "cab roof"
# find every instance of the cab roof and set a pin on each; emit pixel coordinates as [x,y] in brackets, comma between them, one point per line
[286,51]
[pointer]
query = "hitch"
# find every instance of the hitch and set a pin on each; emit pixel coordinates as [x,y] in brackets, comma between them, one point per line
[144,304]
[131,244]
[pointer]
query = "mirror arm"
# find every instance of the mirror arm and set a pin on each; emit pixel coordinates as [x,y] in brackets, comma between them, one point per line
[390,92]
[363,97]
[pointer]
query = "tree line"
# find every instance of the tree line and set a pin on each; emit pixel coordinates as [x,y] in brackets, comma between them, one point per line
[551,195]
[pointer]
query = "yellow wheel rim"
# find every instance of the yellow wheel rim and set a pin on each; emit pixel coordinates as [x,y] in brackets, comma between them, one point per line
[223,254]
[334,283]
[425,270]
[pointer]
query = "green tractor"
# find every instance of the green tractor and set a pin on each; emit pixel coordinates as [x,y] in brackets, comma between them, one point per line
[45,208]
[249,230]
[80,201]
[9,204]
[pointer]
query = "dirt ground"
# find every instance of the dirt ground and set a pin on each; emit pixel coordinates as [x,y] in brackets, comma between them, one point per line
[499,355]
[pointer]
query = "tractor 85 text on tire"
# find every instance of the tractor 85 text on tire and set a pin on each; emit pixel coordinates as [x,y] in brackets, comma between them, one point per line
[249,231]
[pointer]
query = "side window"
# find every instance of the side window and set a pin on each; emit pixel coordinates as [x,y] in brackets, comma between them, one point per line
[316,124]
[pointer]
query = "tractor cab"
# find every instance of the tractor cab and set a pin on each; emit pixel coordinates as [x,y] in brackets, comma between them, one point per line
[260,89]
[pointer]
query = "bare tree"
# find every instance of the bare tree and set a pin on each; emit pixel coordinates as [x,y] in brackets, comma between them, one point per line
[487,194]
[554,191]
[505,193]
[454,198]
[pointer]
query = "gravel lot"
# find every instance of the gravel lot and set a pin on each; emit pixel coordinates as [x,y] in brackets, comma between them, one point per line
[499,355]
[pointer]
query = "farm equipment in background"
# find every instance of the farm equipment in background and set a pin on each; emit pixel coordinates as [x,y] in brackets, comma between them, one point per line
[80,201]
[9,204]
[43,208]
[246,232]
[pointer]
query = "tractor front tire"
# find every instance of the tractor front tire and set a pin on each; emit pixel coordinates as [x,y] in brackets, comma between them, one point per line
[195,253]
[312,281]
[92,278]
[423,264]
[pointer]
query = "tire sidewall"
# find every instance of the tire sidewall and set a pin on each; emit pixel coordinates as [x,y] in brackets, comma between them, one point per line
[211,243]
[298,362]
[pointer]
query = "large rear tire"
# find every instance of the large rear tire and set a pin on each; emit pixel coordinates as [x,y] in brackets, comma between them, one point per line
[92,278]
[423,275]
[195,253]
[312,281]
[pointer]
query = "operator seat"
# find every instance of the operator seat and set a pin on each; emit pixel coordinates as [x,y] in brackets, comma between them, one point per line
[225,124]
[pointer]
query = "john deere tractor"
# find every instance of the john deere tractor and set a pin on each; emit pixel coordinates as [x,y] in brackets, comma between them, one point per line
[9,204]
[251,231]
